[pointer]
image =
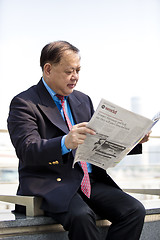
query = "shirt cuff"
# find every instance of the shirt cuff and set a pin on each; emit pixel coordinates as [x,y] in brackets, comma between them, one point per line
[63,146]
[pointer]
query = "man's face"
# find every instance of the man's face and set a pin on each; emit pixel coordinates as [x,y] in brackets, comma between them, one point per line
[62,77]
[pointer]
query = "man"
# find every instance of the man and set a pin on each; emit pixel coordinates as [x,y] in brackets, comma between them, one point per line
[45,130]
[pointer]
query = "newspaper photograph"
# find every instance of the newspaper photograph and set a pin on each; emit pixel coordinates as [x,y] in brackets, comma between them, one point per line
[117,132]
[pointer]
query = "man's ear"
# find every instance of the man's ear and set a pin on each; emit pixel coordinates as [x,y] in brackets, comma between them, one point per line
[47,69]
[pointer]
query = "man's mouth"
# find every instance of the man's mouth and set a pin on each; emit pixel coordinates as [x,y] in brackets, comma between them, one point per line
[71,85]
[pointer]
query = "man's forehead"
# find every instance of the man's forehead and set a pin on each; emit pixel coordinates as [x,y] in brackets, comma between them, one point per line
[71,59]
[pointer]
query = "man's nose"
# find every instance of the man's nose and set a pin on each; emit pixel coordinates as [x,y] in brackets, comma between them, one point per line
[75,75]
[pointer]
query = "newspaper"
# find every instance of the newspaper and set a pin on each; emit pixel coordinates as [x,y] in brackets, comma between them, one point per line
[118,131]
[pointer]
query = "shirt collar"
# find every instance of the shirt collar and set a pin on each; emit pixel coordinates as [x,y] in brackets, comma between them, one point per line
[51,92]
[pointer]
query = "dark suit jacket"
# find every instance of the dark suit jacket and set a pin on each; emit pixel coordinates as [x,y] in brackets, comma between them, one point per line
[36,128]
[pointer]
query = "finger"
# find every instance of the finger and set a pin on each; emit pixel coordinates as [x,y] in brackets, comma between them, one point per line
[86,130]
[83,129]
[81,137]
[83,124]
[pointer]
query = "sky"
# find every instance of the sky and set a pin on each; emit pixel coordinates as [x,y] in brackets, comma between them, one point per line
[119,41]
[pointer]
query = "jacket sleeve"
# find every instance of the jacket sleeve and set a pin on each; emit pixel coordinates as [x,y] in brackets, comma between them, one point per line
[24,128]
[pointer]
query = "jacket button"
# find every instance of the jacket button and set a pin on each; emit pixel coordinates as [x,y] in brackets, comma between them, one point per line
[56,162]
[59,179]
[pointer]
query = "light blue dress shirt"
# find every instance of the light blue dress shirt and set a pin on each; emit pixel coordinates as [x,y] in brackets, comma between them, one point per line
[68,110]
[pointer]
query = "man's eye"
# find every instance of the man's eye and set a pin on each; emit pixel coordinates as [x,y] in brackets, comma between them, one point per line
[69,72]
[72,71]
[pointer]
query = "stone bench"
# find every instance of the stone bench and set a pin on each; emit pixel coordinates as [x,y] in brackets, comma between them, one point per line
[21,227]
[16,226]
[32,203]
[33,225]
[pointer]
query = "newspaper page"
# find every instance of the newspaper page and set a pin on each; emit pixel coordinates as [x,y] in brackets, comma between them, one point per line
[117,132]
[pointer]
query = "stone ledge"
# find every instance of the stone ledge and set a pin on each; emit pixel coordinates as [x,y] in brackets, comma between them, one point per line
[15,226]
[10,219]
[33,203]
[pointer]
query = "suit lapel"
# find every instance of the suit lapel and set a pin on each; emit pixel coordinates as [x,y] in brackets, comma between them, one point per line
[49,108]
[77,108]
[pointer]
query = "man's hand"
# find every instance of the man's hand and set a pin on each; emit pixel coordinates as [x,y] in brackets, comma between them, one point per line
[77,135]
[146,138]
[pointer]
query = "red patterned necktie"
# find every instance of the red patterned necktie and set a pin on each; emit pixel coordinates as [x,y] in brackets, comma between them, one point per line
[85,184]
